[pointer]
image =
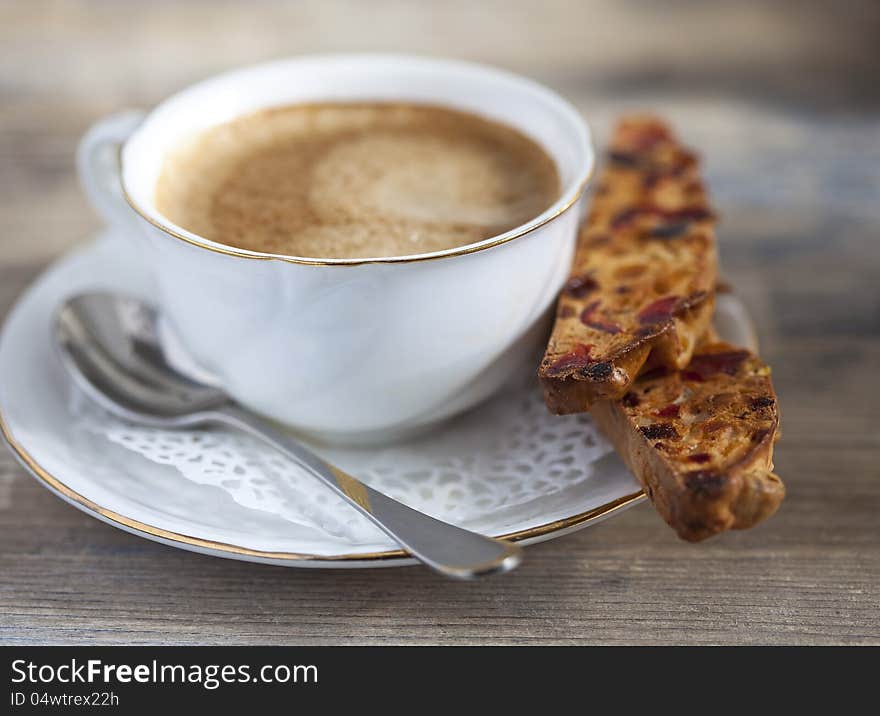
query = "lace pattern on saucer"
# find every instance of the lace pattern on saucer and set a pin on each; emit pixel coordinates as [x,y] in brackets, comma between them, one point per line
[504,454]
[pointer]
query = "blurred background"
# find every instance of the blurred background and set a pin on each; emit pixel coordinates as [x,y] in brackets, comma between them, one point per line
[782,96]
[782,99]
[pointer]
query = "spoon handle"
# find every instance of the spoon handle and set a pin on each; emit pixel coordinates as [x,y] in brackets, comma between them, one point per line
[450,550]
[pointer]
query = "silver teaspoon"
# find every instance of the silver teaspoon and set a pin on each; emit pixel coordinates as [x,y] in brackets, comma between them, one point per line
[110,346]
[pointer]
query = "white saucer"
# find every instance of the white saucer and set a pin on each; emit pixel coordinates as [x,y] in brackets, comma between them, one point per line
[506,469]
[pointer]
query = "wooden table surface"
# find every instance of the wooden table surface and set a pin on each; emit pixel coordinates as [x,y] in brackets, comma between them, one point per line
[783,100]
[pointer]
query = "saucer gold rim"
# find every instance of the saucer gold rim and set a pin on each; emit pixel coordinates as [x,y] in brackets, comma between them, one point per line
[89,506]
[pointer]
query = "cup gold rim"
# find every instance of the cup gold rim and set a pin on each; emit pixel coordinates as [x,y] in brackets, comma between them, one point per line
[569,196]
[492,242]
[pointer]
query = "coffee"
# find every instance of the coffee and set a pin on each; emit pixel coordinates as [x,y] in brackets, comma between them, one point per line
[355,180]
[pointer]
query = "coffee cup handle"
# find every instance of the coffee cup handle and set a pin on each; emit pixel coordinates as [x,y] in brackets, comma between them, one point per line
[97,163]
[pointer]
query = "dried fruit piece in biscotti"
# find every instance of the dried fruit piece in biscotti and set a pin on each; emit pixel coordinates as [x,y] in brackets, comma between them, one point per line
[644,272]
[701,439]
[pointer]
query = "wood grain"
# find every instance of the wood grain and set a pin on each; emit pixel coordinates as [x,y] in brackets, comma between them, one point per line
[785,106]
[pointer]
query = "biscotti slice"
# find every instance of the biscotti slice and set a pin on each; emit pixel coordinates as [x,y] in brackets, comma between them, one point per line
[700,440]
[644,272]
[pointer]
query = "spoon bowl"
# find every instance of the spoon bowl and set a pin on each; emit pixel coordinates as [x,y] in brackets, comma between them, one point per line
[110,345]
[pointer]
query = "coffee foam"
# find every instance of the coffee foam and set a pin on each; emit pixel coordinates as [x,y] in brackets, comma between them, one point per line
[356,180]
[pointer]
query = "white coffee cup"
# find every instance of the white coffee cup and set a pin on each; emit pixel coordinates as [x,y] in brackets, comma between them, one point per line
[348,349]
